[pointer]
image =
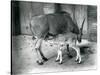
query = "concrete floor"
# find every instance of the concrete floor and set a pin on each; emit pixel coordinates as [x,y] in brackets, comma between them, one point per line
[24,58]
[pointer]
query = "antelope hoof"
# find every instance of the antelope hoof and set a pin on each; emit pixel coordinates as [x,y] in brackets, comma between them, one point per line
[79,62]
[45,59]
[60,63]
[76,60]
[56,60]
[39,62]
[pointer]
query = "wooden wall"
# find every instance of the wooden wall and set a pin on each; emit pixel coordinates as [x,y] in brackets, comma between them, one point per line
[78,12]
[68,8]
[92,23]
[49,8]
[31,9]
[28,9]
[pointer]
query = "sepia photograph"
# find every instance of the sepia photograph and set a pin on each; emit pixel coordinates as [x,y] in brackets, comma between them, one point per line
[52,37]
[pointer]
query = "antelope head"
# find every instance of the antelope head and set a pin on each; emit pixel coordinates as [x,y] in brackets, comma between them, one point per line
[79,36]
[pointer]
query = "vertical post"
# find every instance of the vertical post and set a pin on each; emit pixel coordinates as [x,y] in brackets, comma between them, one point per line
[15,18]
[58,7]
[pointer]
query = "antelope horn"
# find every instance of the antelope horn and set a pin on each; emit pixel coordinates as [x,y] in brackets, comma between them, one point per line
[75,21]
[82,24]
[81,31]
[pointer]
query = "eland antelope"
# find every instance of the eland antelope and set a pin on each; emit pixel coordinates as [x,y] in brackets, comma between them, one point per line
[55,24]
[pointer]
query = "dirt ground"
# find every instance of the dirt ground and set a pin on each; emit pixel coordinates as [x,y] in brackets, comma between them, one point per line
[24,58]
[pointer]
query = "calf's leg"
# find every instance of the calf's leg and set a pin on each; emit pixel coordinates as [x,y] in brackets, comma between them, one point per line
[58,56]
[60,62]
[78,56]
